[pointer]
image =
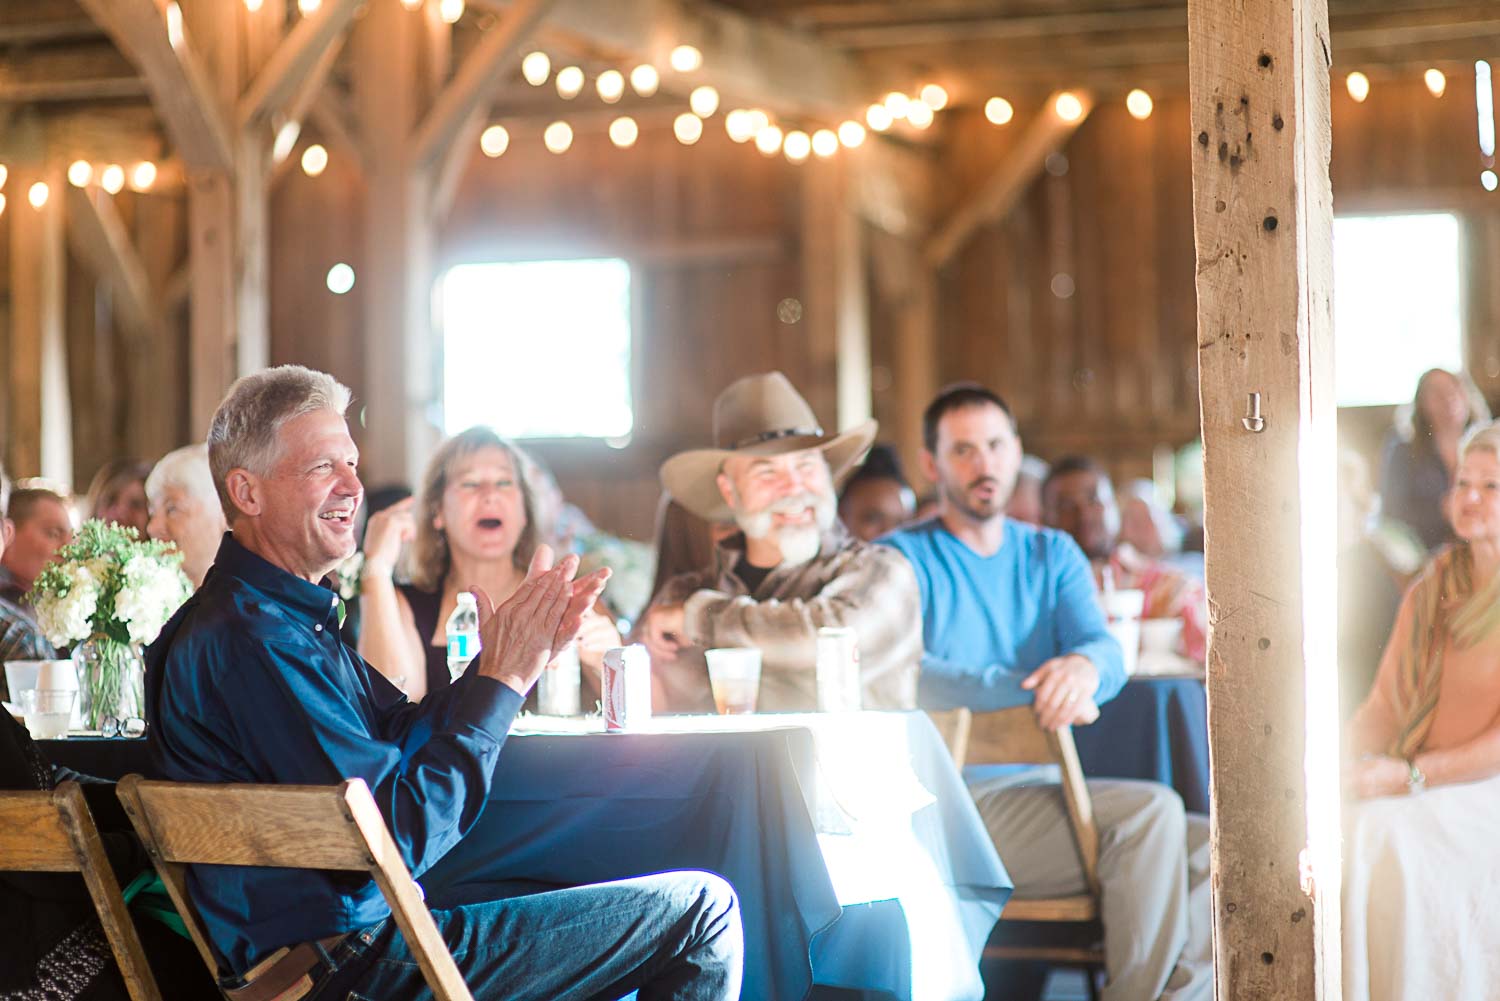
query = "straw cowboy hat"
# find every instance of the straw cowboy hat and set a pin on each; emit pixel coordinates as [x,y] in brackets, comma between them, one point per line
[758,415]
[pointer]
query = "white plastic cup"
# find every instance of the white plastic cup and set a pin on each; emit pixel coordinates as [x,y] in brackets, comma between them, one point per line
[1123,610]
[47,711]
[21,675]
[734,675]
[62,676]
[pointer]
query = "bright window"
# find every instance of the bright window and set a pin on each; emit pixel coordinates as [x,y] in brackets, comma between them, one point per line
[538,349]
[1396,304]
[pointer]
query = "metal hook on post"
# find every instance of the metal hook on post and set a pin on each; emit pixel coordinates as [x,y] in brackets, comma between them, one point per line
[1252,420]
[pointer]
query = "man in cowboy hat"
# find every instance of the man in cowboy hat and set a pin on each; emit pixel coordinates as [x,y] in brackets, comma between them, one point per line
[792,569]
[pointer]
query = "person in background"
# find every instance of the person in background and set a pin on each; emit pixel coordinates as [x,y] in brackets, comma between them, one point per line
[1009,619]
[475,522]
[20,637]
[792,569]
[117,494]
[876,498]
[1026,499]
[1422,770]
[1151,530]
[1422,452]
[1077,497]
[185,509]
[41,524]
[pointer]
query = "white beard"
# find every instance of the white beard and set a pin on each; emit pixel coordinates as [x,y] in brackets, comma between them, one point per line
[798,543]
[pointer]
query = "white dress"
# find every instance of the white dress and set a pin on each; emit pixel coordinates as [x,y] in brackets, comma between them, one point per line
[1420,872]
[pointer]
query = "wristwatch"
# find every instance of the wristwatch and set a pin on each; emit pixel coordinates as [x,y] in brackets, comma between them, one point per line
[1415,780]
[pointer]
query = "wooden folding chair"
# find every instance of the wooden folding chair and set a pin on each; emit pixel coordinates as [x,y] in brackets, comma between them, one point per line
[1013,736]
[54,832]
[336,828]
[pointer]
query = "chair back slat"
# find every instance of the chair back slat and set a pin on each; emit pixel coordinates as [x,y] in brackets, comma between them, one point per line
[953,727]
[32,835]
[302,827]
[53,831]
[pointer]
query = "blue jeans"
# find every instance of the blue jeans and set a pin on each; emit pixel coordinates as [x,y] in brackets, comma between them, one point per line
[672,937]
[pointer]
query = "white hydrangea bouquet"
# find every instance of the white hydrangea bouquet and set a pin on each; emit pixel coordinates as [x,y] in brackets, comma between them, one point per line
[110,592]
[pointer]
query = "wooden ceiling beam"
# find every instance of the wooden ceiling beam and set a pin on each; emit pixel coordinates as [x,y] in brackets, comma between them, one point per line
[1045,135]
[178,87]
[474,85]
[99,237]
[301,56]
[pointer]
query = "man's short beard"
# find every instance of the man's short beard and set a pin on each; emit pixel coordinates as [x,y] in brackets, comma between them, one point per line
[798,543]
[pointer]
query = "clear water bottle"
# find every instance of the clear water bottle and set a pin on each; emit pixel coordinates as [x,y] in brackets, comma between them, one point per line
[463,634]
[557,691]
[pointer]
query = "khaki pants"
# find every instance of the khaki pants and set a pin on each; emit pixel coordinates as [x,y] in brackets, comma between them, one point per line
[1153,872]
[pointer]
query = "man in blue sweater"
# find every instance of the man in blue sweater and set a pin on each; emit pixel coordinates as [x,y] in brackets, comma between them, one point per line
[1010,618]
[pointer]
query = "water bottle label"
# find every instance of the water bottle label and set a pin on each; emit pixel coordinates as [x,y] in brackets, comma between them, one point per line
[458,646]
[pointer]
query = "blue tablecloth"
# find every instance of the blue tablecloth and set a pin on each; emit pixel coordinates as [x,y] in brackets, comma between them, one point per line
[856,851]
[1157,729]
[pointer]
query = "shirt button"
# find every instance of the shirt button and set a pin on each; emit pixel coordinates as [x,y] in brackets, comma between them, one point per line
[318,628]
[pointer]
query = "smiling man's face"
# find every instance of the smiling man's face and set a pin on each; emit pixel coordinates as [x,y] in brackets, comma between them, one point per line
[307,503]
[787,499]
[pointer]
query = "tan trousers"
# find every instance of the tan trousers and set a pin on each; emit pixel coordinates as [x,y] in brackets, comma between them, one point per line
[1153,871]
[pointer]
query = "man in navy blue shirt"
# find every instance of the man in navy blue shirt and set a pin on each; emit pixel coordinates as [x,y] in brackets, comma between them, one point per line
[250,682]
[1009,618]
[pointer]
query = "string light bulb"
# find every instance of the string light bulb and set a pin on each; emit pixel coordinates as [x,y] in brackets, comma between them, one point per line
[314,160]
[340,278]
[558,137]
[569,82]
[759,121]
[918,115]
[80,172]
[688,128]
[308,6]
[1436,82]
[1068,107]
[412,4]
[174,25]
[623,132]
[999,111]
[824,143]
[685,59]
[4,174]
[935,96]
[451,11]
[797,146]
[113,179]
[897,104]
[610,85]
[1488,179]
[878,117]
[704,101]
[644,80]
[494,141]
[2,203]
[143,175]
[851,134]
[37,194]
[740,125]
[768,140]
[536,67]
[1139,104]
[253,6]
[1359,86]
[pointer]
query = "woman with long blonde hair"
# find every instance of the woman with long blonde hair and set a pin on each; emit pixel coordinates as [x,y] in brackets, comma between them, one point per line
[476,521]
[1423,770]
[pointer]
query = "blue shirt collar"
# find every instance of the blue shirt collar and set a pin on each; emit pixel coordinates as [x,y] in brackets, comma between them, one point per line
[314,602]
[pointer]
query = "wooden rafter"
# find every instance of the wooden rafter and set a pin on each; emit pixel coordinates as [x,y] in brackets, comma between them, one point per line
[302,56]
[1046,134]
[475,82]
[99,237]
[174,78]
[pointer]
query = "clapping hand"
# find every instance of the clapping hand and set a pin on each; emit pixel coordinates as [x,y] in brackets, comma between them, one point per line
[385,533]
[519,638]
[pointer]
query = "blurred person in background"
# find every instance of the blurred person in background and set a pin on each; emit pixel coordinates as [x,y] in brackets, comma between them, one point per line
[117,494]
[41,524]
[1421,452]
[1026,501]
[185,509]
[876,498]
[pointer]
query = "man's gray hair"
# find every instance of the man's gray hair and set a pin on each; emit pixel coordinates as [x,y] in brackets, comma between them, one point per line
[185,468]
[245,432]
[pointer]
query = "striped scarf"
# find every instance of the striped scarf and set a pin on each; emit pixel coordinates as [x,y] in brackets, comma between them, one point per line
[1438,596]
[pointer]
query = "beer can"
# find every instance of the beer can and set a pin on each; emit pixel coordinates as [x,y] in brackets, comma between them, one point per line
[626,688]
[838,670]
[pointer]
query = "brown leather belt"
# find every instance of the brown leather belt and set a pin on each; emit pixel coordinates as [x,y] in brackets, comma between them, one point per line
[285,975]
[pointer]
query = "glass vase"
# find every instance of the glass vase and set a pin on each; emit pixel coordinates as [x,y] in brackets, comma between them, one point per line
[111,680]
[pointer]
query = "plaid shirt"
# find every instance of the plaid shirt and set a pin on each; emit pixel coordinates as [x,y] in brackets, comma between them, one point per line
[20,639]
[870,589]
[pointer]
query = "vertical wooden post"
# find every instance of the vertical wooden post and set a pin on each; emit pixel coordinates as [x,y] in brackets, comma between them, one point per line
[39,426]
[1263,210]
[211,315]
[397,274]
[916,358]
[835,291]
